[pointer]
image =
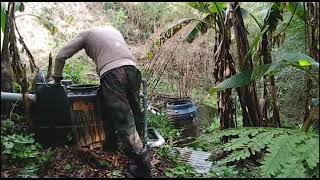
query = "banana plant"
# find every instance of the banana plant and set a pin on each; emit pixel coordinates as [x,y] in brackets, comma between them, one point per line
[207,9]
[297,60]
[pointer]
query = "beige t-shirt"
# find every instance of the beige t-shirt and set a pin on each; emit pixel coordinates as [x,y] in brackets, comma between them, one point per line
[106,46]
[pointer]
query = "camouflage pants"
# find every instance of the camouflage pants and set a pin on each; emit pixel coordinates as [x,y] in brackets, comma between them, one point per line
[121,106]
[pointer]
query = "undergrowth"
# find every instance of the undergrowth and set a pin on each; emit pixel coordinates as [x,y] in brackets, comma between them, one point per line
[165,126]
[163,123]
[180,169]
[21,150]
[281,153]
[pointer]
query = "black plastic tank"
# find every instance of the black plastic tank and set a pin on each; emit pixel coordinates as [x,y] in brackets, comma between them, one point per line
[85,114]
[184,115]
[50,114]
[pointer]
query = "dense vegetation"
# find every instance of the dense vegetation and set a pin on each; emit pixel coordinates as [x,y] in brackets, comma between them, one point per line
[255,65]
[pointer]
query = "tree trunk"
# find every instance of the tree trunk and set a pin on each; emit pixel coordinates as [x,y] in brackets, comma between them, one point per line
[270,84]
[224,69]
[6,70]
[313,34]
[12,69]
[247,95]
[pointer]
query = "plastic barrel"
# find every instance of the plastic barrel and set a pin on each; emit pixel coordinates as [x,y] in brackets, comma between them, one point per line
[184,115]
[84,114]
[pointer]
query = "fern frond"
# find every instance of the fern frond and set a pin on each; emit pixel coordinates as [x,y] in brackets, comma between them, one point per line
[289,153]
[278,152]
[292,170]
[237,155]
[259,142]
[236,143]
[309,152]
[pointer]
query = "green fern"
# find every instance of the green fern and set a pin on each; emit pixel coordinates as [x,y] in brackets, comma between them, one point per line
[287,153]
[277,157]
[237,155]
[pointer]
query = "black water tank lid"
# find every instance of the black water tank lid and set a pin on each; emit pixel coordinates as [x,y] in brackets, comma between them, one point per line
[82,86]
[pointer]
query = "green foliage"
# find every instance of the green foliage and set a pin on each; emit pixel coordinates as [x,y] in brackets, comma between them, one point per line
[6,124]
[208,7]
[67,168]
[298,8]
[215,125]
[181,171]
[275,14]
[105,164]
[3,18]
[132,18]
[16,87]
[19,6]
[223,171]
[238,80]
[165,126]
[23,149]
[120,19]
[20,147]
[244,78]
[200,28]
[200,6]
[211,101]
[288,153]
[75,71]
[167,153]
[29,171]
[115,174]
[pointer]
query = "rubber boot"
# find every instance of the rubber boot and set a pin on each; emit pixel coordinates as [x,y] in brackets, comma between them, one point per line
[142,167]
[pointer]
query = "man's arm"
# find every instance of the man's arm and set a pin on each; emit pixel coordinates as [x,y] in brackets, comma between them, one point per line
[66,52]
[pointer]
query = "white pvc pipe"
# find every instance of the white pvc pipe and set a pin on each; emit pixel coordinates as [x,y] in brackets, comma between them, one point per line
[6,96]
[155,142]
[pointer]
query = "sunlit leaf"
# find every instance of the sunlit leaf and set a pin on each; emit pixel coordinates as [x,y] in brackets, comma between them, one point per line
[215,7]
[3,19]
[303,62]
[299,59]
